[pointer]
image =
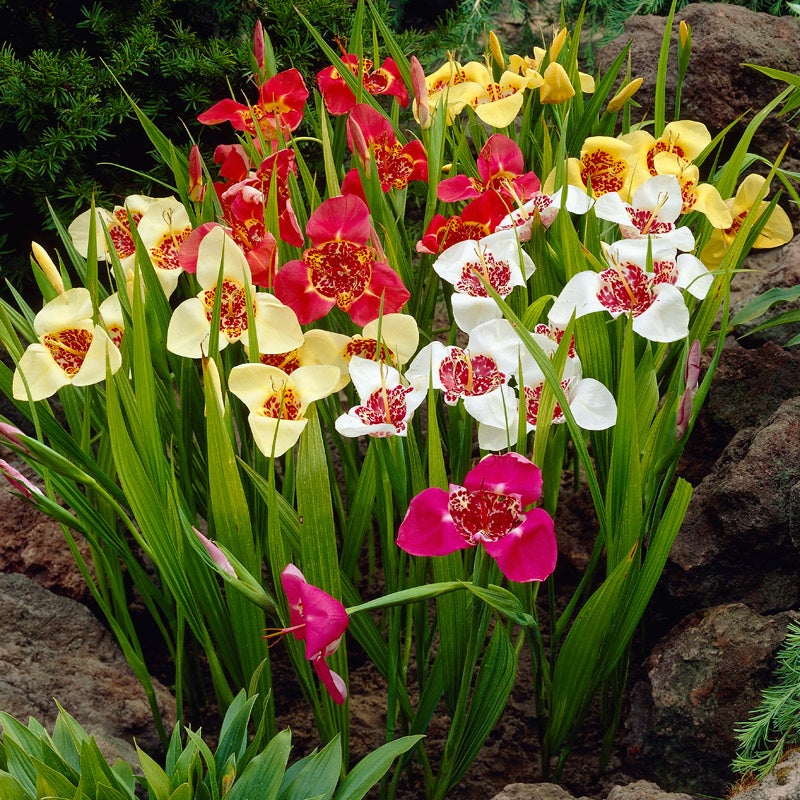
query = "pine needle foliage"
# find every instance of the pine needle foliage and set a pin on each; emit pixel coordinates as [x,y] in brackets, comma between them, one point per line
[774,725]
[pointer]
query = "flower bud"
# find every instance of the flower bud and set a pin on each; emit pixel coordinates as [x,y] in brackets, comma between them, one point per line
[623,95]
[196,188]
[557,86]
[420,90]
[258,44]
[684,34]
[496,49]
[216,554]
[47,266]
[557,44]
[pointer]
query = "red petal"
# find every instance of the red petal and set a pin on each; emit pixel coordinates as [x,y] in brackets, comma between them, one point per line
[332,682]
[345,218]
[293,288]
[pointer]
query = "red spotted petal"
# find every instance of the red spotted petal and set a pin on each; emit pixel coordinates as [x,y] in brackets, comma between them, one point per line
[339,218]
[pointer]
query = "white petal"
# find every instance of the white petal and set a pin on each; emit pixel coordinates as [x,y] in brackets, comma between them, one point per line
[593,405]
[277,328]
[275,436]
[44,377]
[577,201]
[71,309]
[693,275]
[101,355]
[661,193]
[579,296]
[425,366]
[469,311]
[667,319]
[610,207]
[79,231]
[367,376]
[189,329]
[314,381]
[217,248]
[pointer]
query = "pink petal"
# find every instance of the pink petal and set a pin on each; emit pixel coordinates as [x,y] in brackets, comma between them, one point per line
[459,187]
[529,552]
[509,473]
[291,580]
[190,246]
[428,529]
[332,682]
[384,287]
[500,155]
[325,618]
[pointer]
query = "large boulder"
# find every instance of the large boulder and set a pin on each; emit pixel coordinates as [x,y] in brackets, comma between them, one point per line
[52,648]
[719,87]
[782,783]
[703,678]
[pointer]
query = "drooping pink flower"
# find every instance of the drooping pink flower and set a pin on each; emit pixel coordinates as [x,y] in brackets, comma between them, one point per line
[318,619]
[280,106]
[385,79]
[492,508]
[340,268]
[500,166]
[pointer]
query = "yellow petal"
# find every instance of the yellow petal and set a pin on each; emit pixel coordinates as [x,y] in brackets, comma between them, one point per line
[500,113]
[708,201]
[623,95]
[776,231]
[557,86]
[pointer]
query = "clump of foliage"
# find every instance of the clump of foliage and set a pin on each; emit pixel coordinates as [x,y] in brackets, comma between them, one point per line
[774,726]
[69,764]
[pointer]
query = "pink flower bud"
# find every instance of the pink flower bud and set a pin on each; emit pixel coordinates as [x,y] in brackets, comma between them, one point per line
[18,480]
[196,188]
[692,371]
[258,44]
[217,556]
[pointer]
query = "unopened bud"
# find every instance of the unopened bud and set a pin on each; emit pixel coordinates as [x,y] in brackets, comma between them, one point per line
[623,95]
[557,44]
[196,188]
[496,49]
[692,372]
[47,266]
[419,87]
[217,556]
[258,44]
[684,34]
[557,86]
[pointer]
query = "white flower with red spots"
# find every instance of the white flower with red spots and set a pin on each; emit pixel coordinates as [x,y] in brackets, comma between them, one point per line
[277,329]
[574,199]
[278,401]
[496,259]
[386,403]
[591,403]
[493,509]
[652,299]
[71,349]
[655,206]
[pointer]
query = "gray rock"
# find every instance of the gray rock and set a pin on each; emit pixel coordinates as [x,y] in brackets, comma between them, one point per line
[738,541]
[704,677]
[782,783]
[52,648]
[718,87]
[534,791]
[644,790]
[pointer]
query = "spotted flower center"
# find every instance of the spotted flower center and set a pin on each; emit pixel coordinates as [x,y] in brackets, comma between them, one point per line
[385,407]
[457,230]
[339,270]
[603,172]
[164,254]
[665,272]
[497,273]
[533,399]
[284,404]
[625,288]
[646,222]
[368,348]
[69,348]
[120,232]
[483,515]
[662,147]
[233,308]
[394,166]
[288,362]
[465,376]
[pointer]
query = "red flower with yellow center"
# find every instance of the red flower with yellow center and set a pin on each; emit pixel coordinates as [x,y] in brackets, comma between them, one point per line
[281,101]
[339,99]
[339,269]
[371,135]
